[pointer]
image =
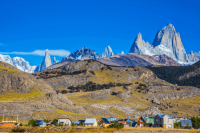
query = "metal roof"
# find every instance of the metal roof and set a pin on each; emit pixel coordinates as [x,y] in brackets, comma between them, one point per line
[105,120]
[185,122]
[90,120]
[161,115]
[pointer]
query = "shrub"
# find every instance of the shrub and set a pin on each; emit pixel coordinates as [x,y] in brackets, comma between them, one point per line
[177,124]
[116,125]
[32,122]
[18,130]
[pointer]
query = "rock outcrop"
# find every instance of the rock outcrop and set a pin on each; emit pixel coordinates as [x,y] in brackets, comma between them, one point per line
[107,52]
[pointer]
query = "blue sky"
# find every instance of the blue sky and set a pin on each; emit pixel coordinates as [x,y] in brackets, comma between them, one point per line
[28,27]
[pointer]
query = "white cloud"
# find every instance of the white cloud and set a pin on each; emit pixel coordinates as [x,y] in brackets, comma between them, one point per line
[58,52]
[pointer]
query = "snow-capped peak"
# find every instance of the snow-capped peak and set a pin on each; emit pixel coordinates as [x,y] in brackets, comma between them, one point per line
[107,52]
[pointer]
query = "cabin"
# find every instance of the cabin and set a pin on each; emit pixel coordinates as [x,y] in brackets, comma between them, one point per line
[104,122]
[140,122]
[164,121]
[64,121]
[91,122]
[40,123]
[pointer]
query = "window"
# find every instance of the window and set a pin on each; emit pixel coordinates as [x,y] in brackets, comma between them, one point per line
[160,120]
[157,120]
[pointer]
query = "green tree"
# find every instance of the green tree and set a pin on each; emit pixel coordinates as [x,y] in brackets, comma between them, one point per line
[32,122]
[72,124]
[45,120]
[55,121]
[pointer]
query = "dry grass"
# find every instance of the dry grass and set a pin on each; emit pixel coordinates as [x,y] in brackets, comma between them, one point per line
[8,70]
[14,96]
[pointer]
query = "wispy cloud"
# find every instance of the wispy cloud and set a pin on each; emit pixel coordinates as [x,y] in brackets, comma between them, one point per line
[58,52]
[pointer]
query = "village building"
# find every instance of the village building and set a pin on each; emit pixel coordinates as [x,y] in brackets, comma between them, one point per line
[64,121]
[164,121]
[91,122]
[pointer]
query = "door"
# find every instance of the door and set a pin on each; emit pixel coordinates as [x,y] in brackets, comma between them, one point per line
[164,125]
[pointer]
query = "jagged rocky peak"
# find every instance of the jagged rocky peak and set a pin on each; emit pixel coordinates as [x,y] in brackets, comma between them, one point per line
[45,63]
[85,52]
[168,42]
[55,61]
[139,46]
[107,52]
[192,57]
[122,52]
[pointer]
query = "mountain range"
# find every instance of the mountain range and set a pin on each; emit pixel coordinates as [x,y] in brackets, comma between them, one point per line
[166,49]
[18,62]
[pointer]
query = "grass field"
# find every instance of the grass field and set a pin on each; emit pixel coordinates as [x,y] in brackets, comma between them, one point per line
[14,96]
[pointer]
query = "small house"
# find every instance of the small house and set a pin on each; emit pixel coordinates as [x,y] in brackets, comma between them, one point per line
[40,123]
[110,119]
[64,121]
[133,123]
[104,122]
[140,122]
[91,122]
[164,121]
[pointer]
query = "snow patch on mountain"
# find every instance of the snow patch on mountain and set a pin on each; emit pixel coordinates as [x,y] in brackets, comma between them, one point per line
[18,62]
[85,53]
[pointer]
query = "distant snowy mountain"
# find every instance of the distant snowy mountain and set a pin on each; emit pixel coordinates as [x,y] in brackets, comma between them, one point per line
[18,62]
[85,53]
[122,52]
[55,61]
[45,63]
[107,52]
[167,42]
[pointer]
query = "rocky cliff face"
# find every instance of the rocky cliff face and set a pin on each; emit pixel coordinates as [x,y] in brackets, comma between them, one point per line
[192,57]
[139,46]
[45,63]
[85,53]
[18,62]
[107,52]
[168,42]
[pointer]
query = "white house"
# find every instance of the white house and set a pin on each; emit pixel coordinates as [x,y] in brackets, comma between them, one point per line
[64,121]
